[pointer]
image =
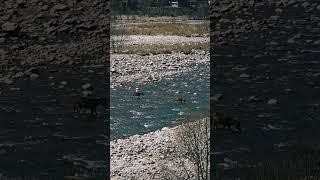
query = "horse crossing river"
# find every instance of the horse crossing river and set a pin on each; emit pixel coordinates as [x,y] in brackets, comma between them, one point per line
[158,107]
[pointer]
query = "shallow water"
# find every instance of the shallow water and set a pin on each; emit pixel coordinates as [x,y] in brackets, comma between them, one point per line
[157,108]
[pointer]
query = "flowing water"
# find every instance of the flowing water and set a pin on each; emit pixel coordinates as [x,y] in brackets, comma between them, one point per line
[158,108]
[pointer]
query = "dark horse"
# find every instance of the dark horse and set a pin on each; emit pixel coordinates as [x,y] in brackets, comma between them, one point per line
[226,121]
[137,93]
[180,99]
[89,103]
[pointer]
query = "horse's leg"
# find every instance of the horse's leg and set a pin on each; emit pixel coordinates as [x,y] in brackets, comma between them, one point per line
[75,108]
[214,125]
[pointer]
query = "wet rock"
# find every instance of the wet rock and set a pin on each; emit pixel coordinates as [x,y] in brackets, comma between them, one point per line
[18,75]
[217,97]
[44,8]
[244,75]
[7,80]
[316,42]
[305,4]
[253,99]
[10,27]
[34,76]
[86,93]
[87,86]
[273,101]
[60,7]
[32,71]
[64,83]
[2,39]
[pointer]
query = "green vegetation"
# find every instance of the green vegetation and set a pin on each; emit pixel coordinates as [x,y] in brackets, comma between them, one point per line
[162,48]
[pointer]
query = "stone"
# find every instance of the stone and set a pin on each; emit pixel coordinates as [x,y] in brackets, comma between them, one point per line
[64,83]
[60,7]
[2,40]
[87,86]
[253,99]
[10,27]
[34,76]
[217,97]
[19,75]
[8,81]
[273,101]
[243,75]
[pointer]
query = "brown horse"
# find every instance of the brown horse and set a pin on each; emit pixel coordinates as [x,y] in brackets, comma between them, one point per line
[226,121]
[137,93]
[180,99]
[89,103]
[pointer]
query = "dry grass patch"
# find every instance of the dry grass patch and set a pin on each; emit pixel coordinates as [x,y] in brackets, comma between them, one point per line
[178,29]
[162,48]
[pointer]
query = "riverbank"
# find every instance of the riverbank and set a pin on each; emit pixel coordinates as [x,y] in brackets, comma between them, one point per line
[159,39]
[148,156]
[141,69]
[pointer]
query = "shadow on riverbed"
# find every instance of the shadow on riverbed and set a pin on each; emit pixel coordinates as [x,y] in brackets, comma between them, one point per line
[41,136]
[270,81]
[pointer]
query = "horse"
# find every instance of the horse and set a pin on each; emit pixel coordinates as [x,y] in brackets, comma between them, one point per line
[180,98]
[89,103]
[137,93]
[226,121]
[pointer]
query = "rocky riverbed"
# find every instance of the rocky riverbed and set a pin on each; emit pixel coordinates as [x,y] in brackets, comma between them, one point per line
[48,51]
[267,75]
[141,69]
[149,156]
[159,39]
